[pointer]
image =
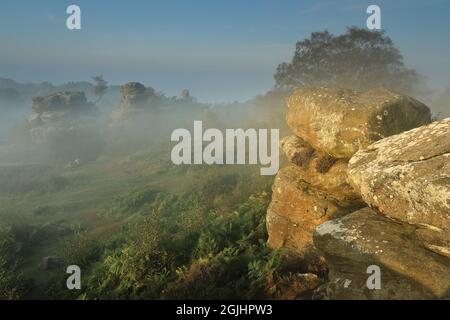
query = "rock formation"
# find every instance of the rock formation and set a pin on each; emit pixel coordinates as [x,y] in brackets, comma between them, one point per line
[407,176]
[405,179]
[298,206]
[330,126]
[185,94]
[340,122]
[67,124]
[137,100]
[320,201]
[135,95]
[365,238]
[58,107]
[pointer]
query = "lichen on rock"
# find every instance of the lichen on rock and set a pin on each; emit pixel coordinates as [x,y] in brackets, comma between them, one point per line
[407,176]
[341,121]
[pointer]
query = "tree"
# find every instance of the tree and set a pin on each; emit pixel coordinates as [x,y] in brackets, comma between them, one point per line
[100,87]
[358,59]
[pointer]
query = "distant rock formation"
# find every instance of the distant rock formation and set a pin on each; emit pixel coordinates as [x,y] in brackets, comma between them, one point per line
[66,123]
[61,106]
[145,114]
[185,94]
[136,100]
[135,95]
[319,202]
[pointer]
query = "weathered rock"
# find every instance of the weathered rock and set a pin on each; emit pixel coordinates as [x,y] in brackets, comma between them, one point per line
[297,151]
[132,89]
[61,101]
[435,239]
[136,102]
[317,169]
[185,94]
[365,238]
[407,176]
[60,114]
[340,122]
[134,95]
[58,107]
[297,208]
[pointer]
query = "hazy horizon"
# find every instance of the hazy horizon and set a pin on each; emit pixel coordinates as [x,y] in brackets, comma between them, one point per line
[221,52]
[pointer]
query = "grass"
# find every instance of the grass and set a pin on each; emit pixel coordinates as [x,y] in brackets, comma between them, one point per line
[103,198]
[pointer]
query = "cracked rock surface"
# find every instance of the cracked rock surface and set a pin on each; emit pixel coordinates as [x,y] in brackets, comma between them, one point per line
[408,269]
[341,121]
[359,194]
[298,207]
[407,176]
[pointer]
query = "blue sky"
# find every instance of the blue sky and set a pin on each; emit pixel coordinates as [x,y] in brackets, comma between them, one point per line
[222,50]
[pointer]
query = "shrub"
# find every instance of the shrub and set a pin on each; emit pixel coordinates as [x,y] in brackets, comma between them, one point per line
[13,284]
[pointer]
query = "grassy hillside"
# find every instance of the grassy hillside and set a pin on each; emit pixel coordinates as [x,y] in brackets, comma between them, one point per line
[138,226]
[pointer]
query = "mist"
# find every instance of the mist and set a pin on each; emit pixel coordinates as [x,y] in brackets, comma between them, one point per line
[86,176]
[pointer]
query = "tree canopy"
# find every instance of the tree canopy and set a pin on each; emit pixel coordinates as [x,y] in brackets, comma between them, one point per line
[100,86]
[359,59]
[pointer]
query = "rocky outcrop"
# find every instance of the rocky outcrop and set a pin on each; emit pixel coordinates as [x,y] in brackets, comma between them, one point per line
[73,101]
[135,95]
[330,126]
[185,94]
[58,107]
[298,207]
[407,176]
[408,270]
[405,179]
[64,124]
[320,203]
[340,122]
[313,189]
[137,100]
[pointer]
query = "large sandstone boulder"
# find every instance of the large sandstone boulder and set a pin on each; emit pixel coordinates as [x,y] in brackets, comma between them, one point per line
[340,122]
[365,238]
[407,176]
[296,209]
